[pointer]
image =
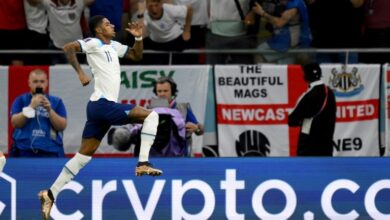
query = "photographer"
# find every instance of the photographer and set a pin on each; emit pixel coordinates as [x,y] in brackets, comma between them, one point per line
[290,28]
[177,123]
[38,120]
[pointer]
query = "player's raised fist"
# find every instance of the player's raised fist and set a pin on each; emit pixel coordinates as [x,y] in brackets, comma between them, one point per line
[84,79]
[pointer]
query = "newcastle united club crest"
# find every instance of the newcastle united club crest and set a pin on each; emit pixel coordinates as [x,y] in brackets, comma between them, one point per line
[346,83]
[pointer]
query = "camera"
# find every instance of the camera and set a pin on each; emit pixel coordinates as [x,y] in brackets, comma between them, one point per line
[38,90]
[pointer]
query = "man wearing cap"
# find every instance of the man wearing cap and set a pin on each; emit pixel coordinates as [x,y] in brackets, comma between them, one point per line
[315,113]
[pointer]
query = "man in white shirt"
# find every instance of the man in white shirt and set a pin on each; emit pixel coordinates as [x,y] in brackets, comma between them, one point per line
[228,30]
[37,22]
[65,18]
[103,109]
[168,28]
[200,20]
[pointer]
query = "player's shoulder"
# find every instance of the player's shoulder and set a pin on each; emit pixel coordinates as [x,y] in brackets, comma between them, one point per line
[115,43]
[92,41]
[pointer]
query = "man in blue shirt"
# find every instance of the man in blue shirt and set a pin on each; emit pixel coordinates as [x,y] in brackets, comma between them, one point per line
[38,120]
[290,30]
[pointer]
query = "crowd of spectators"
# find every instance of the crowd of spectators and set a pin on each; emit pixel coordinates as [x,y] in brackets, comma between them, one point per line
[176,25]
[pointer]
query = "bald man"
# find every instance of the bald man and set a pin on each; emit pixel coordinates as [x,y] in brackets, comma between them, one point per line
[38,119]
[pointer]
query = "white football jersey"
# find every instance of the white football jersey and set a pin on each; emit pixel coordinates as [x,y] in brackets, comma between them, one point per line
[64,21]
[168,27]
[103,59]
[200,14]
[36,17]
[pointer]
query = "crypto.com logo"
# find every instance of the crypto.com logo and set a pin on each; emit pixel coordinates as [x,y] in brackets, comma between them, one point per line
[12,182]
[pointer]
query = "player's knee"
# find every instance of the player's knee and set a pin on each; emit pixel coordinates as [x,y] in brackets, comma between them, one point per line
[152,117]
[150,124]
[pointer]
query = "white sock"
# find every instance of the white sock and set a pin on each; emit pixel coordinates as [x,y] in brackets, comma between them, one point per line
[70,170]
[2,163]
[148,134]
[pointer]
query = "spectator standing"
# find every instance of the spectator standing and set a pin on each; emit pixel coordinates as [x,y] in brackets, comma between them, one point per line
[315,113]
[199,22]
[38,120]
[336,24]
[168,28]
[227,30]
[290,30]
[12,31]
[65,17]
[377,29]
[37,22]
[137,10]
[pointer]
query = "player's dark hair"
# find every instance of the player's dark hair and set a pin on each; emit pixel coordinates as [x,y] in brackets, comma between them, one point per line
[312,72]
[94,22]
[165,79]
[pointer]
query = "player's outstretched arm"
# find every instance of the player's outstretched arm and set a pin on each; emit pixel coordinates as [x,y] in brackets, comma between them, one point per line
[70,50]
[136,29]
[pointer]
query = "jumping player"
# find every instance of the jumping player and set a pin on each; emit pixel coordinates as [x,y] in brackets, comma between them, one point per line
[102,109]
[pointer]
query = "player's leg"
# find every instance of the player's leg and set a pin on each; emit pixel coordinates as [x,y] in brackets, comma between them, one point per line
[148,134]
[93,133]
[120,114]
[2,161]
[70,170]
[74,165]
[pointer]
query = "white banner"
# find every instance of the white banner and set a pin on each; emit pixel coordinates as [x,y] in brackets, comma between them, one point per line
[136,88]
[253,101]
[252,104]
[356,88]
[4,109]
[65,84]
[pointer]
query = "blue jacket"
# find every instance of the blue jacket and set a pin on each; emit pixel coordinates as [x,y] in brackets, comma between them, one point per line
[38,133]
[281,39]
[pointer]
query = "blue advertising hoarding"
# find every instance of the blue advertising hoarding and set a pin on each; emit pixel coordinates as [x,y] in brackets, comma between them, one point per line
[204,188]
